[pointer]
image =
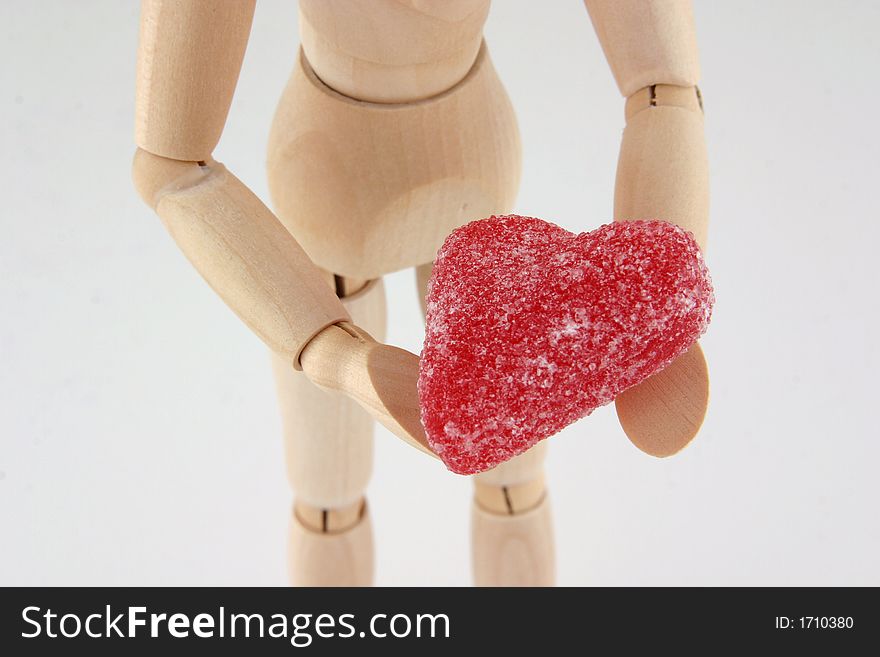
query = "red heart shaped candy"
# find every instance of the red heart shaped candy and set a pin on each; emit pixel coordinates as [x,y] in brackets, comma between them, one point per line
[530,327]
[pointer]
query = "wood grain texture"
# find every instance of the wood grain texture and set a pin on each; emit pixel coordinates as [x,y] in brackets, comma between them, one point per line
[663,169]
[381,378]
[391,51]
[510,499]
[647,42]
[371,188]
[331,559]
[328,438]
[665,412]
[329,521]
[513,550]
[188,63]
[520,469]
[241,250]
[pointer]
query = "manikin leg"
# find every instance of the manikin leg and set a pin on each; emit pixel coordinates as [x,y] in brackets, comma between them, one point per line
[511,521]
[328,442]
[512,525]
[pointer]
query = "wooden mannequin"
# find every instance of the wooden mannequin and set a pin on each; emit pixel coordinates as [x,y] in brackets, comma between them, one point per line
[394,129]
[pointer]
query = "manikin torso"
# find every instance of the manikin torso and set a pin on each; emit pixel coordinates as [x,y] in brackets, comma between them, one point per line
[381,146]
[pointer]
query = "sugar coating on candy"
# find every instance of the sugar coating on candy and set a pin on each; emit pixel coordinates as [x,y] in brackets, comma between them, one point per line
[530,327]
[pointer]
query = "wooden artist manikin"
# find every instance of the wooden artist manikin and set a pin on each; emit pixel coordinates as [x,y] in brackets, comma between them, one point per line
[394,129]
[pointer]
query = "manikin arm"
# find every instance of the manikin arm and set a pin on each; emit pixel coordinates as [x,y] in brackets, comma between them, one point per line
[662,173]
[189,59]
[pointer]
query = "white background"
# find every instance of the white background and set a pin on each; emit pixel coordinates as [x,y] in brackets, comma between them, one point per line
[139,438]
